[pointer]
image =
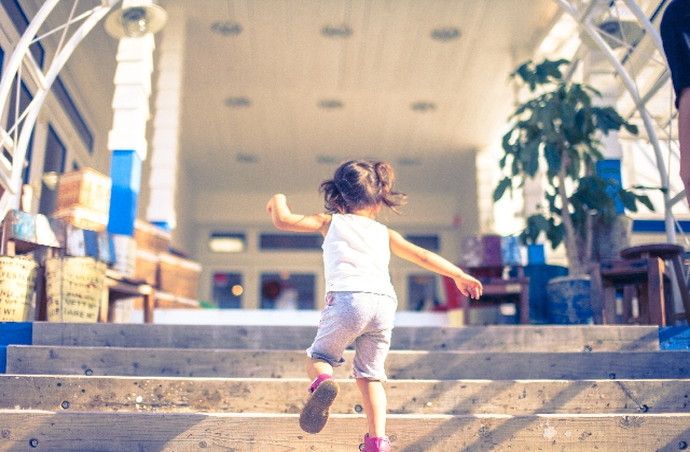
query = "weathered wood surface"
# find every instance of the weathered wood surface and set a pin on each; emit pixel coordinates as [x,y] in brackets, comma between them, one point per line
[188,395]
[400,364]
[84,431]
[572,338]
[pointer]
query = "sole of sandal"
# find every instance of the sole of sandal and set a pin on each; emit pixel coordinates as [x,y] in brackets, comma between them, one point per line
[315,412]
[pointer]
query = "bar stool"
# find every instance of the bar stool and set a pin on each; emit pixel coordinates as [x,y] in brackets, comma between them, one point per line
[660,309]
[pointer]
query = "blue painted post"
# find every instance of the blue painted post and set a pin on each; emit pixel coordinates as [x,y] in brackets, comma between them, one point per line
[125,172]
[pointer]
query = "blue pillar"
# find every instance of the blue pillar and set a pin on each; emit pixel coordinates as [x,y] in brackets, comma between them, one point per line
[125,172]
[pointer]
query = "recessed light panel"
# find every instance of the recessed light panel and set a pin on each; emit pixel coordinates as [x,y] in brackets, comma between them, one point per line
[237,102]
[423,106]
[336,31]
[226,28]
[445,34]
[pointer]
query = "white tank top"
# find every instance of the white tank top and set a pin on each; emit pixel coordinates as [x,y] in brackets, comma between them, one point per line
[356,254]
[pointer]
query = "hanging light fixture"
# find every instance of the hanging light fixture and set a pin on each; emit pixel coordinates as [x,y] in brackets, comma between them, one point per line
[135,21]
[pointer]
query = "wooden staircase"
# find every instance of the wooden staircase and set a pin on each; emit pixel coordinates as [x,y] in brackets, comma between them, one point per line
[110,387]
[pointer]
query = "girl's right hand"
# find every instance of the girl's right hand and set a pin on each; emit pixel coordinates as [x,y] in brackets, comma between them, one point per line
[469,286]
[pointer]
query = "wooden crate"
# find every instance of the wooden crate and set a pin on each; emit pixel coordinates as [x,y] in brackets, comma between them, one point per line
[125,255]
[17,288]
[74,289]
[151,238]
[83,218]
[86,189]
[179,276]
[146,267]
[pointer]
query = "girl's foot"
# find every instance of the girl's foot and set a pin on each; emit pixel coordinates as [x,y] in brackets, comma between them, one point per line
[315,412]
[375,444]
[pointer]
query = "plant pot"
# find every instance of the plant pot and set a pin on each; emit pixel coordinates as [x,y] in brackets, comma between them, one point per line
[570,302]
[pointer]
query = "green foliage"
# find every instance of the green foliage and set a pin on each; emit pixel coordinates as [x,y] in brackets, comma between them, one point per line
[557,132]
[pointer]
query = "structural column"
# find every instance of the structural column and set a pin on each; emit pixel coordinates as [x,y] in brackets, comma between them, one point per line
[127,138]
[166,124]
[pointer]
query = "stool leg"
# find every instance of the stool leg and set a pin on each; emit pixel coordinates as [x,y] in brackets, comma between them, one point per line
[682,287]
[609,314]
[629,292]
[656,297]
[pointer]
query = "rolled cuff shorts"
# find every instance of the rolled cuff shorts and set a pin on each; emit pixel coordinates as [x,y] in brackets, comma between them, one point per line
[362,319]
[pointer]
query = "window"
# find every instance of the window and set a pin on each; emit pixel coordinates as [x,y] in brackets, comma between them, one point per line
[287,290]
[227,290]
[25,98]
[421,293]
[290,241]
[54,164]
[73,113]
[21,22]
[430,242]
[227,242]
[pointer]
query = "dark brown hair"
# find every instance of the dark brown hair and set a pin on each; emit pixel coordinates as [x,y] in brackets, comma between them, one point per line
[359,184]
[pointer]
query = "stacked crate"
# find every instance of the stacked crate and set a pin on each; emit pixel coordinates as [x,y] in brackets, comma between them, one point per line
[83,199]
[150,242]
[75,279]
[176,277]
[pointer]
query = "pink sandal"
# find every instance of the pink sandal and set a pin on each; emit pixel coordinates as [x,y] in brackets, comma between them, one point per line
[375,444]
[315,412]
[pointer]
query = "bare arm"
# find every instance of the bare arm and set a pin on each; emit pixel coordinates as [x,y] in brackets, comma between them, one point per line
[429,260]
[283,217]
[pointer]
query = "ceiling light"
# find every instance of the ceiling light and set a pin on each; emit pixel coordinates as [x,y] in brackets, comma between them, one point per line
[246,158]
[330,104]
[326,159]
[226,28]
[135,21]
[409,161]
[337,31]
[237,102]
[445,34]
[423,107]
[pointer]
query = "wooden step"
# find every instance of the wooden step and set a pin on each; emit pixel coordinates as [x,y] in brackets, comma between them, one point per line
[189,395]
[23,359]
[182,432]
[571,338]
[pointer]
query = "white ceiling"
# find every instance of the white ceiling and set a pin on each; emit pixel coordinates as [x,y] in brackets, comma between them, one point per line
[285,67]
[425,105]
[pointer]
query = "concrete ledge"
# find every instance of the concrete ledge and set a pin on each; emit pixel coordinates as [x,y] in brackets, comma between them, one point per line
[70,431]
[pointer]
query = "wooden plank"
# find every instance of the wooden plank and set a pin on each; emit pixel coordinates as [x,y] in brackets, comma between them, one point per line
[554,338]
[22,359]
[70,431]
[189,395]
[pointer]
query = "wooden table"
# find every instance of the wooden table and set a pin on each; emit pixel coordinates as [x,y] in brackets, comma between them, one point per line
[119,287]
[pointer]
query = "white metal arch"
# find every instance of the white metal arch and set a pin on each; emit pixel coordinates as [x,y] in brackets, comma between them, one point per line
[14,142]
[585,22]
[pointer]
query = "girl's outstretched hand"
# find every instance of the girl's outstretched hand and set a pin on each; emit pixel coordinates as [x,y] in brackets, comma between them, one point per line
[469,286]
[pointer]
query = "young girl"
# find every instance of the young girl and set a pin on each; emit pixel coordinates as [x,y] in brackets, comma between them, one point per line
[360,299]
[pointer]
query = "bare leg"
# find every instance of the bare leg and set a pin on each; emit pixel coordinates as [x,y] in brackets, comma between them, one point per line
[318,367]
[374,401]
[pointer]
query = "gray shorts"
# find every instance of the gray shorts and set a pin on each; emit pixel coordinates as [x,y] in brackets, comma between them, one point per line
[359,318]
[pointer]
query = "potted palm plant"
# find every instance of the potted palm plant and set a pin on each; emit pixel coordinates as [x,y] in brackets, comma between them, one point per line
[557,132]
